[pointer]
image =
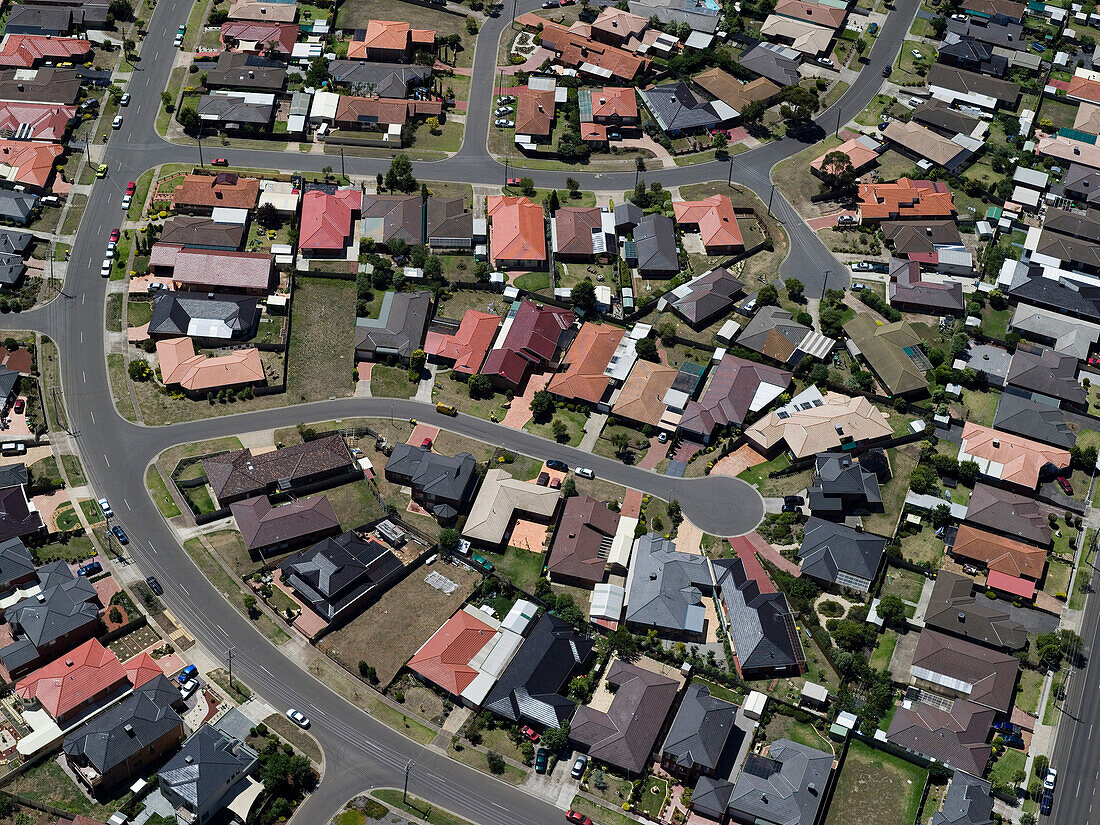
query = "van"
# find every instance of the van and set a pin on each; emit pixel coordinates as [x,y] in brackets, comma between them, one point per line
[13,448]
[446,409]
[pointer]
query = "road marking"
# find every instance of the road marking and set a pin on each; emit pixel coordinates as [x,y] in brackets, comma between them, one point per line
[184,588]
[151,547]
[128,507]
[83,377]
[92,414]
[82,336]
[107,459]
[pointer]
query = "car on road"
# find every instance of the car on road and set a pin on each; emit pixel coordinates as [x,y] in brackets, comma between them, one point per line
[1046,803]
[513,181]
[131,187]
[542,758]
[584,472]
[446,409]
[579,766]
[188,688]
[298,718]
[554,464]
[220,162]
[117,122]
[567,3]
[126,201]
[847,220]
[110,252]
[101,170]
[1063,482]
[105,508]
[115,234]
[577,818]
[189,672]
[178,42]
[1051,780]
[182,29]
[550,4]
[124,100]
[863,266]
[916,54]
[90,569]
[154,585]
[105,269]
[886,71]
[120,534]
[530,733]
[19,406]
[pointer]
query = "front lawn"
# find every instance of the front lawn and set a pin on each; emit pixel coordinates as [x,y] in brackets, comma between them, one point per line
[1005,769]
[391,382]
[902,465]
[1028,690]
[574,427]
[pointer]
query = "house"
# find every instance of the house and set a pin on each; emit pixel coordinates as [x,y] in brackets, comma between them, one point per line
[579,233]
[240,474]
[462,656]
[259,37]
[198,374]
[201,194]
[1058,251]
[397,331]
[579,555]
[466,348]
[715,221]
[17,207]
[968,801]
[665,589]
[908,291]
[1005,10]
[235,110]
[841,487]
[974,54]
[259,10]
[392,80]
[449,225]
[533,687]
[500,499]
[1002,554]
[527,342]
[210,767]
[1011,459]
[786,786]
[39,20]
[389,217]
[960,669]
[641,398]
[340,575]
[958,86]
[535,114]
[955,738]
[736,93]
[862,152]
[1082,184]
[612,107]
[696,739]
[74,685]
[581,375]
[268,530]
[211,321]
[1010,514]
[946,120]
[45,85]
[654,250]
[392,41]
[1031,285]
[700,18]
[443,485]
[29,164]
[921,143]
[955,610]
[774,332]
[381,114]
[1047,376]
[840,556]
[678,110]
[623,733]
[328,221]
[736,388]
[905,199]
[807,38]
[209,270]
[248,72]
[820,14]
[775,62]
[28,51]
[16,567]
[195,232]
[589,57]
[705,298]
[120,743]
[35,121]
[829,421]
[618,27]
[1041,422]
[892,351]
[518,234]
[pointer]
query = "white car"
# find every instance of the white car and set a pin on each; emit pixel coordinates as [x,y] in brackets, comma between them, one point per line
[503,110]
[916,54]
[824,61]
[105,270]
[178,42]
[506,124]
[915,102]
[863,266]
[124,100]
[298,718]
[188,688]
[584,472]
[1051,780]
[110,253]
[117,122]
[126,199]
[105,507]
[506,99]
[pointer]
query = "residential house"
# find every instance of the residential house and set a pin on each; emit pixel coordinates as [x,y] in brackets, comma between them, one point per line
[120,743]
[786,786]
[591,57]
[247,72]
[35,121]
[705,298]
[960,669]
[580,553]
[194,232]
[654,251]
[828,421]
[29,164]
[773,61]
[16,567]
[501,499]
[977,55]
[201,194]
[466,656]
[392,80]
[582,234]
[528,341]
[678,110]
[534,115]
[44,21]
[736,93]
[1031,285]
[968,801]
[1010,459]
[1082,183]
[820,14]
[393,217]
[958,86]
[921,143]
[1002,554]
[1041,422]
[736,388]
[1046,376]
[641,398]
[328,221]
[807,38]
[17,207]
[210,321]
[581,374]
[840,556]
[518,235]
[611,108]
[954,609]
[618,27]
[905,199]
[1010,514]
[75,684]
[533,687]
[774,332]
[208,270]
[862,152]
[240,474]
[1065,335]
[842,487]
[908,290]
[267,530]
[198,374]
[892,351]
[210,768]
[46,85]
[259,37]
[381,114]
[259,10]
[449,225]
[397,331]
[443,485]
[467,347]
[28,51]
[715,221]
[392,41]
[340,575]
[696,739]
[624,732]
[665,589]
[235,110]
[956,738]
[940,116]
[700,18]
[1003,10]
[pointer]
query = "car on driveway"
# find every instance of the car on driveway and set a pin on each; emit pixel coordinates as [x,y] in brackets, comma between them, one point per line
[189,672]
[824,61]
[542,759]
[90,569]
[117,122]
[847,220]
[120,534]
[188,688]
[579,766]
[19,406]
[154,585]
[577,818]
[530,733]
[1063,482]
[426,444]
[863,266]
[554,464]
[543,479]
[298,718]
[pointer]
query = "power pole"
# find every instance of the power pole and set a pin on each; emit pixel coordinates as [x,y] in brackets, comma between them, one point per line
[229,660]
[729,178]
[770,196]
[405,792]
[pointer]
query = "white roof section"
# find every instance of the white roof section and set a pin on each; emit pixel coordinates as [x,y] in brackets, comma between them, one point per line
[1026,196]
[846,719]
[607,602]
[521,615]
[1031,177]
[815,692]
[623,542]
[226,214]
[324,107]
[755,703]
[729,331]
[929,503]
[697,40]
[817,345]
[280,194]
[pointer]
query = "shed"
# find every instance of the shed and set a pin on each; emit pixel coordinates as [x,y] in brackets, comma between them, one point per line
[815,694]
[755,704]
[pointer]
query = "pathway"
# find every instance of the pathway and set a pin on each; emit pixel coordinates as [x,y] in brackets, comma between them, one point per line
[654,455]
[593,426]
[520,411]
[769,553]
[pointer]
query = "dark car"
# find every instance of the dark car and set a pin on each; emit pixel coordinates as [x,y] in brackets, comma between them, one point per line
[21,405]
[542,759]
[154,585]
[1046,803]
[120,534]
[543,479]
[1006,727]
[554,464]
[90,569]
[886,72]
[793,504]
[1012,740]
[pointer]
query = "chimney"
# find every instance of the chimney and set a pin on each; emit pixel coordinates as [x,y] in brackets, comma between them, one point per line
[962,616]
[996,442]
[69,663]
[189,759]
[928,231]
[129,729]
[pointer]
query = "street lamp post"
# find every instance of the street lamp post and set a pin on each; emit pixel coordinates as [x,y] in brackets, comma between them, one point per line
[405,791]
[770,196]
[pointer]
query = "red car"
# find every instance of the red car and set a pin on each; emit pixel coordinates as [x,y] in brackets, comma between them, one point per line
[115,234]
[130,187]
[1063,482]
[426,444]
[20,405]
[220,162]
[530,733]
[513,181]
[578,818]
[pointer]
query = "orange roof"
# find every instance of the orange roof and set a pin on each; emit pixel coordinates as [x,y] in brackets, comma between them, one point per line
[715,218]
[74,679]
[261,34]
[827,16]
[905,198]
[226,189]
[857,153]
[619,24]
[389,35]
[519,233]
[642,397]
[467,347]
[445,658]
[27,50]
[141,669]
[534,111]
[29,163]
[180,365]
[582,369]
[575,50]
[327,220]
[1009,457]
[1005,555]
[593,131]
[1084,88]
[614,101]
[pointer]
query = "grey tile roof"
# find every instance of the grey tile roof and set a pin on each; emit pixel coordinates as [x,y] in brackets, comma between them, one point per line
[233,109]
[786,787]
[627,215]
[16,563]
[30,19]
[196,231]
[17,207]
[1031,419]
[841,486]
[13,475]
[655,245]
[399,327]
[677,108]
[956,737]
[1048,373]
[703,298]
[386,217]
[262,525]
[954,609]
[240,474]
[938,115]
[760,624]
[1076,225]
[391,80]
[205,767]
[665,587]
[55,612]
[1010,514]
[448,220]
[711,797]
[700,729]
[442,479]
[237,70]
[224,316]
[11,268]
[14,241]
[773,62]
[1078,300]
[838,554]
[967,802]
[700,17]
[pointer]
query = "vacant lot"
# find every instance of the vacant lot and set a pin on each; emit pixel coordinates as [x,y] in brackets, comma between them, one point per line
[322,340]
[876,788]
[389,633]
[354,14]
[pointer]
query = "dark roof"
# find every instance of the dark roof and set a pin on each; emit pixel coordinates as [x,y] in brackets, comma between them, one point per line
[838,554]
[1075,224]
[399,327]
[665,587]
[49,85]
[448,219]
[8,381]
[702,299]
[990,674]
[240,473]
[399,216]
[441,478]
[13,475]
[125,729]
[908,288]
[655,244]
[390,80]
[772,62]
[530,343]
[968,802]
[16,517]
[203,233]
[953,608]
[920,237]
[711,797]
[1048,373]
[627,215]
[842,486]
[785,787]
[1022,416]
[761,624]
[1008,513]
[11,268]
[974,54]
[700,729]
[205,766]
[534,685]
[624,735]
[677,108]
[1008,35]
[960,80]
[237,70]
[17,207]
[60,609]
[729,396]
[940,116]
[336,572]
[182,313]
[28,19]
[1030,286]
[234,109]
[262,525]
[1083,183]
[12,241]
[955,737]
[583,540]
[1068,249]
[16,563]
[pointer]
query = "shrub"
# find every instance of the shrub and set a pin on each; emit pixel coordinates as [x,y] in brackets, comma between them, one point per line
[495,762]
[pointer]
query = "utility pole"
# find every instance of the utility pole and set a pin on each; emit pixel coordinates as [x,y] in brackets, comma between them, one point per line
[770,196]
[405,792]
[343,174]
[837,133]
[825,288]
[200,145]
[229,660]
[729,178]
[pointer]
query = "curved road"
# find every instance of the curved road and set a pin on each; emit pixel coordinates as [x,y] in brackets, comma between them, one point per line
[359,751]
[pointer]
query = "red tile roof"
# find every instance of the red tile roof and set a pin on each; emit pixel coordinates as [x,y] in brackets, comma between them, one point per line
[40,121]
[1013,585]
[905,198]
[262,33]
[534,112]
[614,102]
[827,16]
[74,679]
[226,189]
[445,658]
[29,163]
[857,153]
[327,220]
[582,371]
[180,364]
[26,50]
[1084,88]
[715,218]
[467,347]
[594,131]
[141,669]
[519,233]
[532,340]
[206,268]
[575,50]
[389,35]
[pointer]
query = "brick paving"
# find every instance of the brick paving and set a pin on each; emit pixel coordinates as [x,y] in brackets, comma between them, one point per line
[520,411]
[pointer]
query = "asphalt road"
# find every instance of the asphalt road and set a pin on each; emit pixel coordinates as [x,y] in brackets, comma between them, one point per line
[359,751]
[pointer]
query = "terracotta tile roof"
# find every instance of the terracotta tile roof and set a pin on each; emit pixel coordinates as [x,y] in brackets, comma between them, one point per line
[1024,588]
[534,112]
[640,398]
[359,111]
[582,368]
[593,131]
[74,679]
[1009,457]
[26,50]
[715,218]
[828,16]
[613,102]
[29,163]
[858,153]
[518,232]
[905,199]
[35,121]
[262,33]
[179,364]
[206,268]
[390,36]
[735,92]
[616,24]
[1004,555]
[1084,88]
[576,51]
[445,658]
[141,669]
[327,220]
[225,189]
[467,347]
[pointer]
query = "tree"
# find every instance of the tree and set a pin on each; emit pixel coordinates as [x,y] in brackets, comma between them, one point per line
[317,73]
[799,105]
[251,606]
[121,10]
[720,141]
[832,322]
[560,429]
[1027,818]
[140,370]
[922,480]
[621,442]
[768,296]
[527,187]
[480,386]
[433,268]
[573,186]
[939,25]
[542,405]
[753,113]
[891,609]
[837,171]
[433,125]
[114,615]
[795,288]
[940,516]
[569,487]
[583,294]
[647,349]
[471,28]
[400,178]
[368,672]
[268,217]
[287,775]
[449,539]
[968,473]
[493,759]
[552,202]
[675,516]
[417,360]
[555,739]
[853,636]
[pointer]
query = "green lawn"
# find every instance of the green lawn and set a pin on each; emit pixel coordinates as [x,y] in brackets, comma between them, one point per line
[418,808]
[653,797]
[391,382]
[92,513]
[876,788]
[905,584]
[893,494]
[574,423]
[139,313]
[1056,580]
[981,407]
[74,470]
[884,650]
[599,813]
[523,567]
[1006,767]
[354,503]
[1028,690]
[533,281]
[77,548]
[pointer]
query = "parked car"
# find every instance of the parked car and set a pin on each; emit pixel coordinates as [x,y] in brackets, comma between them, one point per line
[124,100]
[915,102]
[1006,727]
[862,266]
[1063,482]
[584,472]
[131,187]
[90,569]
[662,438]
[554,464]
[117,122]
[542,759]
[1012,740]
[298,718]
[446,409]
[916,54]
[109,252]
[105,269]
[1051,780]
[120,534]
[578,818]
[126,201]
[531,734]
[550,4]
[154,585]
[886,71]
[19,406]
[105,508]
[178,42]
[503,110]
[188,688]
[182,29]
[858,287]
[824,61]
[543,479]
[101,170]
[847,220]
[1046,803]
[115,234]
[513,181]
[426,444]
[505,124]
[189,672]
[579,766]
[505,99]
[484,562]
[220,162]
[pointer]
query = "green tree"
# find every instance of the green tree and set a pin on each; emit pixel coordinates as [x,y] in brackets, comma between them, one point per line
[287,776]
[268,216]
[621,442]
[399,177]
[493,759]
[720,141]
[922,480]
[480,386]
[140,370]
[449,538]
[568,487]
[368,672]
[433,268]
[121,10]
[251,606]
[317,73]
[573,186]
[417,361]
[433,125]
[647,349]
[583,294]
[768,296]
[837,171]
[891,609]
[560,429]
[795,289]
[542,405]
[555,739]
[527,187]
[753,113]
[799,105]
[968,473]
[471,25]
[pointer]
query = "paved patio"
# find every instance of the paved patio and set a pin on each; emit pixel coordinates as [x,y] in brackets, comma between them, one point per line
[529,535]
[737,462]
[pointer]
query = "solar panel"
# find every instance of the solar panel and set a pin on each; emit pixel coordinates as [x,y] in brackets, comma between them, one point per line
[761,766]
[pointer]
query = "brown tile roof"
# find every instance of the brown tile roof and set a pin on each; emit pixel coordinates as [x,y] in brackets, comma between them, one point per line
[262,525]
[640,398]
[858,153]
[573,227]
[613,102]
[1009,457]
[828,16]
[534,112]
[733,91]
[905,199]
[264,34]
[389,35]
[224,189]
[986,677]
[359,111]
[999,553]
[179,364]
[241,472]
[575,51]
[586,526]
[582,375]
[956,737]
[212,268]
[617,24]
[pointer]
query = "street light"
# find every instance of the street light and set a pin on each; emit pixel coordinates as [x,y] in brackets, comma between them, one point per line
[405,792]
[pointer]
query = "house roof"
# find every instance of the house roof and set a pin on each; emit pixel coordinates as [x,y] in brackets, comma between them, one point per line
[665,587]
[962,81]
[499,498]
[246,71]
[73,680]
[922,141]
[700,728]
[775,62]
[609,102]
[28,163]
[16,563]
[1054,245]
[45,19]
[711,797]
[760,620]
[837,554]
[1085,226]
[389,35]
[1009,457]
[956,738]
[226,107]
[642,394]
[16,516]
[1009,513]
[715,218]
[967,802]
[518,233]
[205,767]
[1042,422]
[534,685]
[360,111]
[438,477]
[1000,553]
[224,189]
[995,8]
[56,612]
[258,10]
[887,349]
[814,430]
[141,669]
[262,525]
[841,485]
[920,237]
[735,93]
[384,79]
[205,268]
[582,540]
[1048,373]
[786,787]
[573,229]
[399,327]
[818,13]
[705,296]
[774,332]
[241,472]
[26,50]
[955,609]
[35,121]
[807,38]
[737,387]
[532,339]
[198,231]
[447,219]
[986,677]
[1083,87]
[180,364]
[939,114]
[386,217]
[905,199]
[534,111]
[577,51]
[17,206]
[445,659]
[619,23]
[266,34]
[469,344]
[623,735]
[861,151]
[677,108]
[582,371]
[327,219]
[182,313]
[45,85]
[655,244]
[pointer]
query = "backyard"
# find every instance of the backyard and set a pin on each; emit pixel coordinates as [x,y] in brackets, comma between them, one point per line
[322,342]
[876,788]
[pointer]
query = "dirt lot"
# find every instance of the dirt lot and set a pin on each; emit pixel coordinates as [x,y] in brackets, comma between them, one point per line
[392,630]
[322,340]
